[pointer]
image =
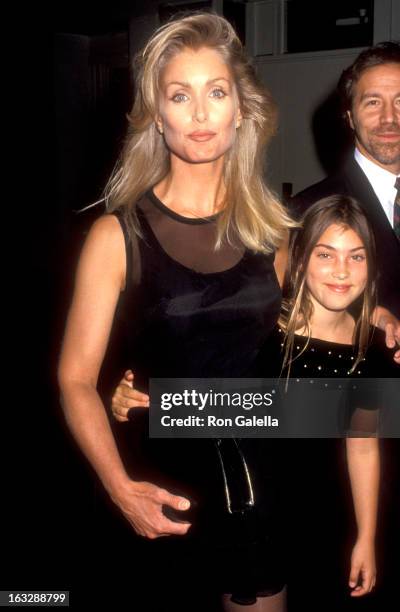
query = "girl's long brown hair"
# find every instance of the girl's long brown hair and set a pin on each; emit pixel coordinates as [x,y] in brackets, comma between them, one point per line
[297,308]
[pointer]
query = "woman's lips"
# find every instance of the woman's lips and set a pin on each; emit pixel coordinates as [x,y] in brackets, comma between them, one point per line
[201,136]
[338,288]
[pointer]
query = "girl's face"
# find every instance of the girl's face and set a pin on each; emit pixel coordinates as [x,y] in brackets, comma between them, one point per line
[199,107]
[337,270]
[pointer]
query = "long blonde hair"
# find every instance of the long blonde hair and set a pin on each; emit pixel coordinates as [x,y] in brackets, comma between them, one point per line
[250,208]
[297,309]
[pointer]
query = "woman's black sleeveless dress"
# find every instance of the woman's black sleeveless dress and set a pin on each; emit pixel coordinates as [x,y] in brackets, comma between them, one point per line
[189,310]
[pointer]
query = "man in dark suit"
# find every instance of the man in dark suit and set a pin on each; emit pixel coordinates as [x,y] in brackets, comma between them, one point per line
[370,94]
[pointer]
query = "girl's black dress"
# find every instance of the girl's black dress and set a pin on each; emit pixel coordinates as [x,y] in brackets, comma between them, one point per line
[313,402]
[316,502]
[189,310]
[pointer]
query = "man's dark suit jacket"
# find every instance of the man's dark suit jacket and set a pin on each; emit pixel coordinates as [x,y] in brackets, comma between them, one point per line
[352,181]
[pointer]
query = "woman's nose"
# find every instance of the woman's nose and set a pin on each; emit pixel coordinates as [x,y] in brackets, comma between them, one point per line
[200,111]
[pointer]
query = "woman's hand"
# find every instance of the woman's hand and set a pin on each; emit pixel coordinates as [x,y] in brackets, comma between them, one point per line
[363,567]
[126,397]
[141,504]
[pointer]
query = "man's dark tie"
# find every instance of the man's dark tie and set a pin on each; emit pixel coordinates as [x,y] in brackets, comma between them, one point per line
[396,211]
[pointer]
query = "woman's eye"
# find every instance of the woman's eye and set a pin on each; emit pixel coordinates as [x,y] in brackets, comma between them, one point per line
[179,97]
[323,255]
[218,93]
[358,257]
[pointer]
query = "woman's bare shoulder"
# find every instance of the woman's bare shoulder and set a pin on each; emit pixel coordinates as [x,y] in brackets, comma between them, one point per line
[107,226]
[106,229]
[105,245]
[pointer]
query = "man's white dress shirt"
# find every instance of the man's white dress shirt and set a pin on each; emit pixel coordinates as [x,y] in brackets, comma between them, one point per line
[382,182]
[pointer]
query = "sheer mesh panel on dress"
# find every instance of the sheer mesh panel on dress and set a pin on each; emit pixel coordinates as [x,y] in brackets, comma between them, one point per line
[190,242]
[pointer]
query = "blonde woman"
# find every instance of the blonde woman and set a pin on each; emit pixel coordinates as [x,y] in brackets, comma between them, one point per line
[187,253]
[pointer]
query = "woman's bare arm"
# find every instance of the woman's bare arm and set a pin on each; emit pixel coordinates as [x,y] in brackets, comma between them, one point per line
[99,278]
[98,282]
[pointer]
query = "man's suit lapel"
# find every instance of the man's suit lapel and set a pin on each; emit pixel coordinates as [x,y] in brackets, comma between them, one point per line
[358,185]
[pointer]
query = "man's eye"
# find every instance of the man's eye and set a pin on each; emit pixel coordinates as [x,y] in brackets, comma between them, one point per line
[372,102]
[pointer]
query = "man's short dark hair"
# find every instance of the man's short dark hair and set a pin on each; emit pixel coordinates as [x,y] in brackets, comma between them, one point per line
[383,53]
